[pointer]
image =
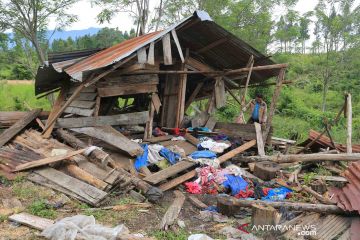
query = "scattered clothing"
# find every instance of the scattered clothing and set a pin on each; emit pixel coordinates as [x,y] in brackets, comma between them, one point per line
[277,194]
[178,138]
[215,163]
[235,184]
[212,209]
[170,156]
[142,161]
[178,150]
[217,147]
[203,154]
[193,187]
[158,132]
[153,154]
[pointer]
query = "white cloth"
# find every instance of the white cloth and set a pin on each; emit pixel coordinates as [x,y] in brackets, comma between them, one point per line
[199,237]
[178,138]
[153,153]
[217,147]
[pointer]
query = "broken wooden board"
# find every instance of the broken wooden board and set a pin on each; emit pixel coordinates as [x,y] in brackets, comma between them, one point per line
[112,137]
[48,160]
[176,181]
[259,139]
[195,201]
[92,195]
[32,221]
[82,104]
[113,120]
[11,132]
[243,131]
[127,90]
[173,211]
[168,172]
[211,122]
[85,96]
[188,147]
[158,139]
[79,111]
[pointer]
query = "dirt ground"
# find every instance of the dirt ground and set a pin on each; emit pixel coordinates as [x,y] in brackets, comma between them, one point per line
[47,203]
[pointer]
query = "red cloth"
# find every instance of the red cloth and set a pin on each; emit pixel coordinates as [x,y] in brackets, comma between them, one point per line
[245,194]
[266,191]
[193,187]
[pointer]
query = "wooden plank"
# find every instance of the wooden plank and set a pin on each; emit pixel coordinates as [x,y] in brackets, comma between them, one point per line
[149,122]
[349,123]
[190,138]
[82,104]
[169,172]
[176,40]
[86,191]
[199,204]
[259,139]
[193,95]
[83,175]
[181,99]
[112,137]
[36,178]
[114,120]
[188,147]
[105,174]
[173,211]
[141,55]
[211,122]
[220,95]
[84,96]
[47,160]
[32,221]
[127,90]
[212,45]
[167,49]
[91,89]
[176,181]
[245,131]
[79,111]
[118,80]
[151,54]
[156,101]
[159,139]
[11,132]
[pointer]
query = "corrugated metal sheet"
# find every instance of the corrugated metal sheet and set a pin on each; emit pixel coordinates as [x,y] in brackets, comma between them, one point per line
[325,142]
[55,57]
[348,198]
[194,32]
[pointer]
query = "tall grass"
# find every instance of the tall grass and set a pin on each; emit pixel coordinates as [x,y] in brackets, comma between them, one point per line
[20,97]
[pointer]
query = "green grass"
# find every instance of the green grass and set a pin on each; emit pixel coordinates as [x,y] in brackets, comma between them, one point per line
[170,235]
[20,97]
[41,209]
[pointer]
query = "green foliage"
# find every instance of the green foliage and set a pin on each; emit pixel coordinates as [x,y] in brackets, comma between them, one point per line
[170,235]
[308,177]
[41,209]
[14,96]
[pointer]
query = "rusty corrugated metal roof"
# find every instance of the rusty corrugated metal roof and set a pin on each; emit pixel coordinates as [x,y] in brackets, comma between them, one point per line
[195,32]
[325,142]
[348,198]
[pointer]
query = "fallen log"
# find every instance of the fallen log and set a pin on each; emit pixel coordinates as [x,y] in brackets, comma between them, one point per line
[317,195]
[173,211]
[154,194]
[228,205]
[300,158]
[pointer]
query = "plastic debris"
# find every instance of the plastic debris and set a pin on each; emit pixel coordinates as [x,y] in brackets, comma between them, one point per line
[199,236]
[82,227]
[172,157]
[141,161]
[277,194]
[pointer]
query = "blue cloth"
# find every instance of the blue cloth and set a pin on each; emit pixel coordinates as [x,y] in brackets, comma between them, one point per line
[277,194]
[141,161]
[203,154]
[212,209]
[202,129]
[255,113]
[169,155]
[235,184]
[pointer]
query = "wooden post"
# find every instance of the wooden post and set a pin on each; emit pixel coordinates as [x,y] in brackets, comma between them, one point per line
[349,123]
[274,101]
[264,215]
[149,122]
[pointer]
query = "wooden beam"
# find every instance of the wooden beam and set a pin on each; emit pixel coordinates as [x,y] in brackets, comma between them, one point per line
[112,137]
[173,211]
[126,90]
[32,221]
[193,95]
[112,120]
[141,55]
[259,139]
[303,158]
[151,54]
[349,123]
[220,95]
[11,132]
[149,121]
[181,99]
[167,49]
[225,202]
[47,160]
[274,99]
[212,45]
[176,40]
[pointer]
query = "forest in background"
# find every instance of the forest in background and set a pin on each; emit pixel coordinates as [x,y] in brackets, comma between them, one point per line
[322,47]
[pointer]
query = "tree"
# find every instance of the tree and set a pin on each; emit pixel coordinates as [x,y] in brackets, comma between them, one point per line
[304,30]
[30,19]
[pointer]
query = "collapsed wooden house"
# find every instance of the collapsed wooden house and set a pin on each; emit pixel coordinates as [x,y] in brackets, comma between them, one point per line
[158,75]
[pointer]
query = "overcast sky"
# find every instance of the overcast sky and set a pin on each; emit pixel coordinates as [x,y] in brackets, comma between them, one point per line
[87,15]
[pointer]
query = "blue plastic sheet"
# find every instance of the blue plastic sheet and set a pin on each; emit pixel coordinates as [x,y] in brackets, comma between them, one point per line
[212,209]
[277,194]
[141,161]
[203,154]
[169,155]
[202,129]
[235,184]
